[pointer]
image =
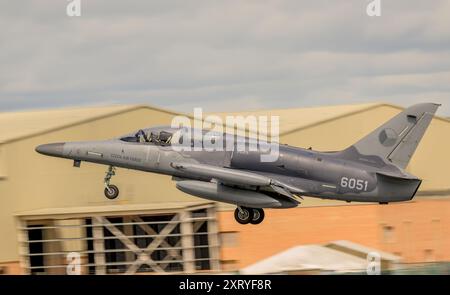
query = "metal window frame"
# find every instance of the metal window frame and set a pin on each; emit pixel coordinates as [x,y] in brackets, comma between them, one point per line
[183,252]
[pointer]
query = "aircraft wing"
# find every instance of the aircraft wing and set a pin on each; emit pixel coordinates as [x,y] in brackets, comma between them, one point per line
[237,177]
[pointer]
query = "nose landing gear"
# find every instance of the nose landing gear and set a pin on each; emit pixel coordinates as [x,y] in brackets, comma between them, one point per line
[245,215]
[111,191]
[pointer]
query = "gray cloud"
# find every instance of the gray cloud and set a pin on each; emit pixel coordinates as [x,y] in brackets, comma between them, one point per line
[224,55]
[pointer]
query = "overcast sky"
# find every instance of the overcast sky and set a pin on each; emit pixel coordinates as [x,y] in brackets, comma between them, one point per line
[223,55]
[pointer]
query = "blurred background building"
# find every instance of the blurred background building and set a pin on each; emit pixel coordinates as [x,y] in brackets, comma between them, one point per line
[49,209]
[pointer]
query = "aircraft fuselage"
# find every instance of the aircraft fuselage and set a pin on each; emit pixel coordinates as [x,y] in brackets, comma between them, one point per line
[323,175]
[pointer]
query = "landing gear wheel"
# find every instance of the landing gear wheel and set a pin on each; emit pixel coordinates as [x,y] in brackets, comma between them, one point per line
[258,216]
[111,192]
[243,215]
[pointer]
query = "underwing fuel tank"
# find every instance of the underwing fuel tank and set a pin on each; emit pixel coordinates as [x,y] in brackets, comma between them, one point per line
[221,193]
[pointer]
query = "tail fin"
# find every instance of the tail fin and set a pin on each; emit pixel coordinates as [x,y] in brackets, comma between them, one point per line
[397,140]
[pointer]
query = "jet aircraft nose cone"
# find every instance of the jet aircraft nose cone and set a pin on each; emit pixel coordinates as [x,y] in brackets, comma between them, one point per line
[51,149]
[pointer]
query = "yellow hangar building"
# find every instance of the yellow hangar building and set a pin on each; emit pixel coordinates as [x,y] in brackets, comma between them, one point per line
[50,210]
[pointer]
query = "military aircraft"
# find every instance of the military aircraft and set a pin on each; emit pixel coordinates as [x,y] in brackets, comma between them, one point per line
[372,170]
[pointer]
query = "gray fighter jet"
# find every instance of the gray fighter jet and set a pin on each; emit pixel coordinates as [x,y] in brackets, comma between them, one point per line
[372,170]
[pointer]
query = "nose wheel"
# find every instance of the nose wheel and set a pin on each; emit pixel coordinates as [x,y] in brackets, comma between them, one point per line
[245,215]
[111,191]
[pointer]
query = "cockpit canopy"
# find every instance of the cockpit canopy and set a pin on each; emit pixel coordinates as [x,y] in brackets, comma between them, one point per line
[182,137]
[156,135]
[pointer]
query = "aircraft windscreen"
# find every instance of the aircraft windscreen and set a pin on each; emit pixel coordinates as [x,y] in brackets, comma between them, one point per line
[156,136]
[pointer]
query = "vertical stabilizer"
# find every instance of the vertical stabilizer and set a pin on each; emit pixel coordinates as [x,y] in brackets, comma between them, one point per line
[397,140]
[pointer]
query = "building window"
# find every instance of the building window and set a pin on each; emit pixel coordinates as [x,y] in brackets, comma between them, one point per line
[145,235]
[180,241]
[114,248]
[36,249]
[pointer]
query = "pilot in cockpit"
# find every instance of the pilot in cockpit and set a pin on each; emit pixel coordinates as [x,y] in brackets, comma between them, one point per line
[141,137]
[165,138]
[158,138]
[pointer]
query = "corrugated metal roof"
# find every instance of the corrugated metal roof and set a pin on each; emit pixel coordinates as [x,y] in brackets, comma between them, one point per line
[343,244]
[307,257]
[296,118]
[16,125]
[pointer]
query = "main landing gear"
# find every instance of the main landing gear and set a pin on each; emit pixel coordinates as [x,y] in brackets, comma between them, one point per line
[111,191]
[244,215]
